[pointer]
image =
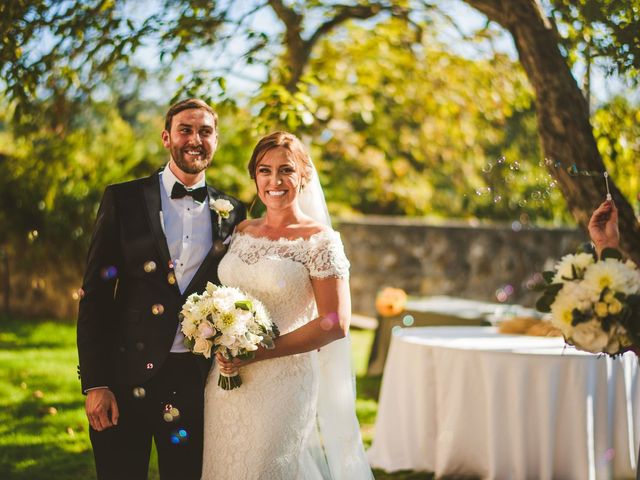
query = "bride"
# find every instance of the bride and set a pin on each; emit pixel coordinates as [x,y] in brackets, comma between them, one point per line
[294,415]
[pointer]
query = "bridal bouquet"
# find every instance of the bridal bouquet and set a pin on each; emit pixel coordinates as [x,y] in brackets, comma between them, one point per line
[594,302]
[226,320]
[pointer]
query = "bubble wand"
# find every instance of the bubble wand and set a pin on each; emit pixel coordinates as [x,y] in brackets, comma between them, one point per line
[606,182]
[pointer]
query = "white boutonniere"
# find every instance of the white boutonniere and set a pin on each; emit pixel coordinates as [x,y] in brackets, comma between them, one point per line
[222,207]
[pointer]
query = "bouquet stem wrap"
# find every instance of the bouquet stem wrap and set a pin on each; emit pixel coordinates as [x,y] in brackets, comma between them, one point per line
[229,381]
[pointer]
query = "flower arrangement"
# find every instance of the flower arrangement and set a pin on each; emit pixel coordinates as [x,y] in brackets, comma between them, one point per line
[595,302]
[226,320]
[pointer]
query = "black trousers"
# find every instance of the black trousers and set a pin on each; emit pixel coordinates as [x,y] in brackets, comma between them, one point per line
[168,409]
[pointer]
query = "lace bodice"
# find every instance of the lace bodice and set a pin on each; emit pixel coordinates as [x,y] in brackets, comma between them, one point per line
[284,268]
[322,253]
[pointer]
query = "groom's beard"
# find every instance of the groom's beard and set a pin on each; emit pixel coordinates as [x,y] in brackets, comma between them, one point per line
[191,165]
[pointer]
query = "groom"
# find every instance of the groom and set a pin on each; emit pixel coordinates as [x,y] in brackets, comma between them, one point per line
[156,241]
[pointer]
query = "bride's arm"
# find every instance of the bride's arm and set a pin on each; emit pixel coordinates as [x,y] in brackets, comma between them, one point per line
[334,316]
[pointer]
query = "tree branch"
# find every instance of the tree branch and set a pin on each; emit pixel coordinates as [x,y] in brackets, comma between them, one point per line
[344,13]
[493,9]
[299,49]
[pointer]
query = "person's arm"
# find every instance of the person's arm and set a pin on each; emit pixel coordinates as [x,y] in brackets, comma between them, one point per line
[95,318]
[334,317]
[603,227]
[333,300]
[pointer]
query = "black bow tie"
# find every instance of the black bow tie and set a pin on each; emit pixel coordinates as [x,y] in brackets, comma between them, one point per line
[179,191]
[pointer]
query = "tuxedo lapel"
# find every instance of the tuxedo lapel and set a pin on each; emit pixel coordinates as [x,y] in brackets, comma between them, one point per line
[151,191]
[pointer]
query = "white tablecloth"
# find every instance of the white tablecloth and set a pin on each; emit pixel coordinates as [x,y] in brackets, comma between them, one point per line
[467,400]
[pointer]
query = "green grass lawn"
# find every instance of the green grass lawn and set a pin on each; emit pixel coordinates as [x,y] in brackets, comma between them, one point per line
[43,429]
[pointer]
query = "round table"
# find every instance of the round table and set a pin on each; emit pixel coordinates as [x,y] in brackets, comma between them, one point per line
[471,401]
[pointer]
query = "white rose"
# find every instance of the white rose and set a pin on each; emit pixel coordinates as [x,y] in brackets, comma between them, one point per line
[222,206]
[189,328]
[251,341]
[202,346]
[226,340]
[589,336]
[206,330]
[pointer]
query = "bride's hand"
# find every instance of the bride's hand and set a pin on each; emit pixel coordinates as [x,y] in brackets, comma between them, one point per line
[230,366]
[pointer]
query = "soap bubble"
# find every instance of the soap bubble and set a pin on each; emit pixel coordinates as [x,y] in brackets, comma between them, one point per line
[109,273]
[139,392]
[150,266]
[157,309]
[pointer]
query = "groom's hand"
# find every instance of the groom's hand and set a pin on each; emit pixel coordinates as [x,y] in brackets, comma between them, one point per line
[102,409]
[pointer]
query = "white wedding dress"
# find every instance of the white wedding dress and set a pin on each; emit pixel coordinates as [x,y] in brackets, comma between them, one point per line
[270,428]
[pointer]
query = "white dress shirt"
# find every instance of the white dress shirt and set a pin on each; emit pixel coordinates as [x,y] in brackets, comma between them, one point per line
[187,227]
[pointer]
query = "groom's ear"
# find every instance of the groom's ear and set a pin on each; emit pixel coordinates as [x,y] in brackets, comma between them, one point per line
[165,139]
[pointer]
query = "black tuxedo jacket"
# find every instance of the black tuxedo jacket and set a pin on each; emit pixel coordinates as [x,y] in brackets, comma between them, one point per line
[128,315]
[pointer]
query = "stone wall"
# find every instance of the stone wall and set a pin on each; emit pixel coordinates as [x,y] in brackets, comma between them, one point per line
[422,258]
[457,259]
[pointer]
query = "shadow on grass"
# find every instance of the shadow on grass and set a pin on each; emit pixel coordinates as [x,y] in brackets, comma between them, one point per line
[44,461]
[29,334]
[402,475]
[29,415]
[411,475]
[369,387]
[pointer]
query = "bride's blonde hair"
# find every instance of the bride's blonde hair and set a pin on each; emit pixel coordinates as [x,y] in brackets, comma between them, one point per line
[289,142]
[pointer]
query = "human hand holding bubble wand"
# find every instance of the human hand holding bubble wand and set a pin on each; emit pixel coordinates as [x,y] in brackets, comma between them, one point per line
[603,224]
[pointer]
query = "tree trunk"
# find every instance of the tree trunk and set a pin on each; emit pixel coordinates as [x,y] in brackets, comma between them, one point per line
[6,277]
[563,115]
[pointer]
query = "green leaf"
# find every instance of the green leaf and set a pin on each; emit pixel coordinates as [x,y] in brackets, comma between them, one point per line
[246,356]
[548,276]
[610,253]
[587,247]
[574,272]
[553,289]
[244,305]
[544,304]
[539,287]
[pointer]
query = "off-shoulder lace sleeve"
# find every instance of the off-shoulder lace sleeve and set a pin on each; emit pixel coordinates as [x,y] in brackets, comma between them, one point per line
[326,257]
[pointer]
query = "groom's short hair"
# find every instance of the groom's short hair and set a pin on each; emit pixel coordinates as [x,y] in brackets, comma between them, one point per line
[187,104]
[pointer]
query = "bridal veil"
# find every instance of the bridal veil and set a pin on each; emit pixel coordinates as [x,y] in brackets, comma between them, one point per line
[338,444]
